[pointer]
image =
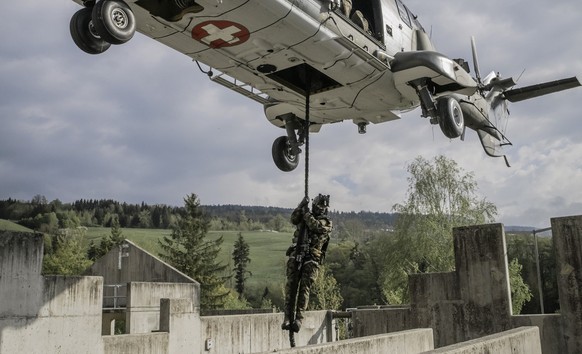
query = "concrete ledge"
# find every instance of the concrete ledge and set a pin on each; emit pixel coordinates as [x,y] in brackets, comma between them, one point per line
[261,333]
[522,340]
[406,342]
[136,343]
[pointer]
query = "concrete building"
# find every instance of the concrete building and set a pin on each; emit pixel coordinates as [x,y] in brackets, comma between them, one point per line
[465,311]
[475,299]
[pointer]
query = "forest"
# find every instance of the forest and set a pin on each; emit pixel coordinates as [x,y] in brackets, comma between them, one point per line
[40,214]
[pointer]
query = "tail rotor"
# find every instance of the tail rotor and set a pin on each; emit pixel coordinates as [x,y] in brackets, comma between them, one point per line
[491,99]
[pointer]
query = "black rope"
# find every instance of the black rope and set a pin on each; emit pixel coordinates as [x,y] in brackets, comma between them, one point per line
[306,134]
[307,123]
[291,338]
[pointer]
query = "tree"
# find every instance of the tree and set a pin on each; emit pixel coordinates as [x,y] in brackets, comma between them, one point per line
[440,196]
[520,292]
[240,256]
[115,238]
[65,255]
[188,249]
[356,273]
[325,293]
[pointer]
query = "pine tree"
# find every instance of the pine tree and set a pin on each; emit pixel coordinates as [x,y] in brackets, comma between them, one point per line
[240,256]
[116,235]
[188,249]
[107,242]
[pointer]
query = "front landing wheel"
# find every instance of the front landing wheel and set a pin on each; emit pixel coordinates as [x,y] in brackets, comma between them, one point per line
[283,157]
[114,21]
[84,33]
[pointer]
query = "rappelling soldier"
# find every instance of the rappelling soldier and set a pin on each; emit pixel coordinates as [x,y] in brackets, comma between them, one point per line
[310,240]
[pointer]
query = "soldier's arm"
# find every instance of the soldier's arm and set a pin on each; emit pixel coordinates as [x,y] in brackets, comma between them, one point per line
[315,225]
[297,216]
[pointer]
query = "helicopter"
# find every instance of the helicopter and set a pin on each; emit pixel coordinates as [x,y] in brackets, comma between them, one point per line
[315,62]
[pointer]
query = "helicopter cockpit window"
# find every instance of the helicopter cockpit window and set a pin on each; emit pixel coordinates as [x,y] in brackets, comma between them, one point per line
[415,20]
[403,13]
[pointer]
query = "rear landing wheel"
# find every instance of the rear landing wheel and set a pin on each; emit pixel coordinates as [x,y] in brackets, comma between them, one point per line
[84,33]
[451,118]
[283,157]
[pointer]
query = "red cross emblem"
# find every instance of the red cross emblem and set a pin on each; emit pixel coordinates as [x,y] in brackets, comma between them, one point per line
[218,34]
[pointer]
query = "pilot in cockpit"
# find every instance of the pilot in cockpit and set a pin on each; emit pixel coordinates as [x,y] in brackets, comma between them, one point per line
[357,17]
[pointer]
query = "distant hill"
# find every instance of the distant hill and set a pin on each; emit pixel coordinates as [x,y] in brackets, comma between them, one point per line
[372,220]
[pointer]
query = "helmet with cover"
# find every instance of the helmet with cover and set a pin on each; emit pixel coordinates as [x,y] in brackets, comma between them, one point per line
[320,204]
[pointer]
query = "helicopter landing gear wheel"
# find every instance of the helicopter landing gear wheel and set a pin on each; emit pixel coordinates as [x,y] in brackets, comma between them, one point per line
[451,118]
[84,33]
[114,21]
[283,157]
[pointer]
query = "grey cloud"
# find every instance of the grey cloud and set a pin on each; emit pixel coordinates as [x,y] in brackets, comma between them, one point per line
[140,122]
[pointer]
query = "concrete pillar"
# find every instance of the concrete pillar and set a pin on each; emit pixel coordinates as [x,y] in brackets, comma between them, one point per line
[20,279]
[435,302]
[481,266]
[182,320]
[567,239]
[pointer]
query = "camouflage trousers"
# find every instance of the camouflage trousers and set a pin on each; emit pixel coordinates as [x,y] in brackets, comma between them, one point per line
[298,287]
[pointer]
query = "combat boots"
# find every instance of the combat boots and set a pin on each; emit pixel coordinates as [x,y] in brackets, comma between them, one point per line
[286,323]
[296,325]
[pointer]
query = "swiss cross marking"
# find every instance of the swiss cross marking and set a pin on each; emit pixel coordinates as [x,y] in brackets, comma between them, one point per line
[218,34]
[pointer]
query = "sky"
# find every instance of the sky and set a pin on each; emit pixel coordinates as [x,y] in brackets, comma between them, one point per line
[142,123]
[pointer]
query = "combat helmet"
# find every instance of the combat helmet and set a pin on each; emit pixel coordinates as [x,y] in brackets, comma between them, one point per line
[320,205]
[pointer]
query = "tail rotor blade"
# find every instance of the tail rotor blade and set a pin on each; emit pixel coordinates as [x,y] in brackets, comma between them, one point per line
[533,91]
[475,60]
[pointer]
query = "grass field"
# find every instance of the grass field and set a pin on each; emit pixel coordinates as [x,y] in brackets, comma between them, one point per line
[6,225]
[267,250]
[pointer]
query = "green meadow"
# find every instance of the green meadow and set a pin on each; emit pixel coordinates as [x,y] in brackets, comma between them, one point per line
[267,250]
[6,225]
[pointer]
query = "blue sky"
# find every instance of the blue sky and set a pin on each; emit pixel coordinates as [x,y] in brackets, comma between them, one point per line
[141,123]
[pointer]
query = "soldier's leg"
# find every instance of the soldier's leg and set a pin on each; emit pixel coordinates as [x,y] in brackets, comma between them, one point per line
[308,277]
[290,292]
[347,7]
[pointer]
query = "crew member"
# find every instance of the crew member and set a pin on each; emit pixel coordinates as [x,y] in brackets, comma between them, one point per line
[303,263]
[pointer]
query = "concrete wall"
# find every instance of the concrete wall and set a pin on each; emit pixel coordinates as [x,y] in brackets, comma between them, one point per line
[157,343]
[481,267]
[143,303]
[261,332]
[407,342]
[181,319]
[567,240]
[524,340]
[52,314]
[474,300]
[550,328]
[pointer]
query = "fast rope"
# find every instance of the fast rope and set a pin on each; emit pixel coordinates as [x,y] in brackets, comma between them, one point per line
[307,123]
[306,134]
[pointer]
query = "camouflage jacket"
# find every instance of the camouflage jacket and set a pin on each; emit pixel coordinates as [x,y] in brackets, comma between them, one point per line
[319,230]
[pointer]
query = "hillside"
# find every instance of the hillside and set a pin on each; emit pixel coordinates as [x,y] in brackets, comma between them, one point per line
[91,213]
[6,225]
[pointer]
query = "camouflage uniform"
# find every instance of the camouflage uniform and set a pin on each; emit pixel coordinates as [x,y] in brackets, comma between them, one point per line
[299,282]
